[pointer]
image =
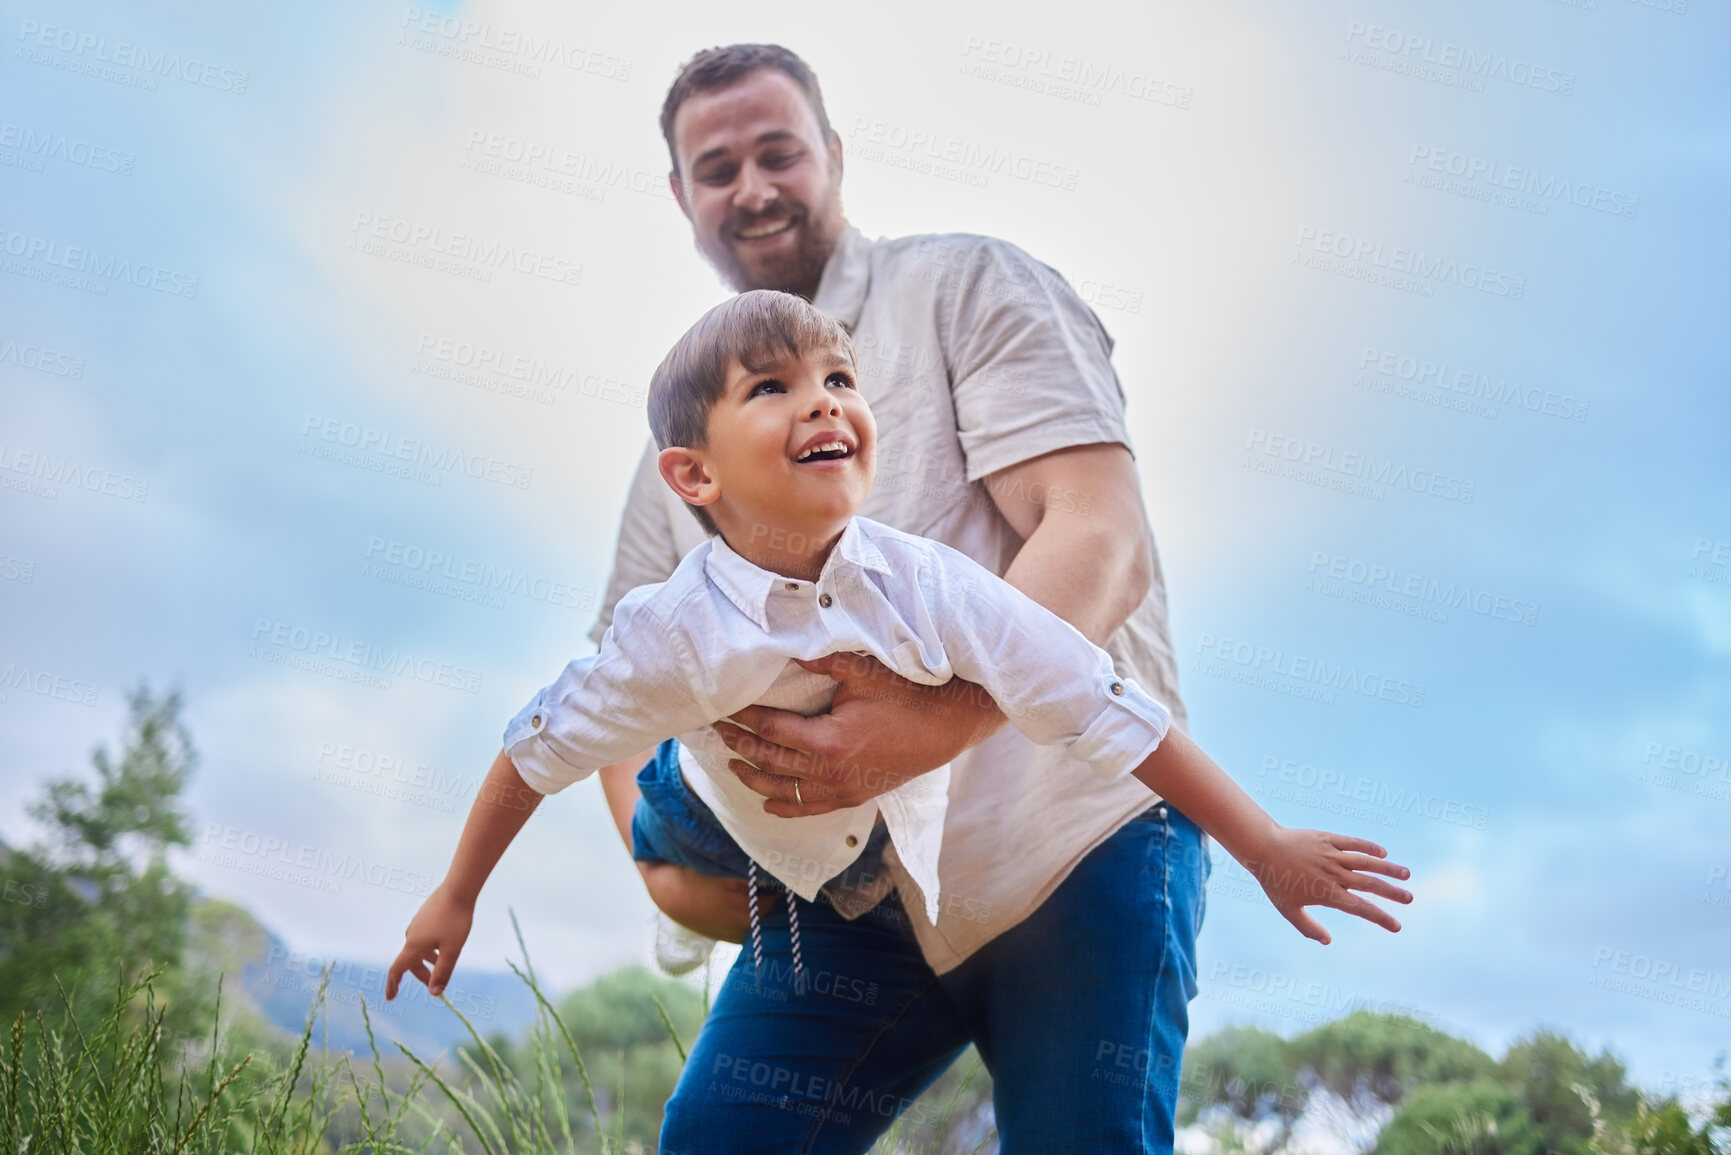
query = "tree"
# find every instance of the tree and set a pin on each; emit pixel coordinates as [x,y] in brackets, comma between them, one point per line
[1565,1090]
[1370,1059]
[1481,1117]
[96,901]
[1250,1072]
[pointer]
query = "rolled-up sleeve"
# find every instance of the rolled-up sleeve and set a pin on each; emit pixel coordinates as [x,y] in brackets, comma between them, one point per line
[1051,682]
[632,695]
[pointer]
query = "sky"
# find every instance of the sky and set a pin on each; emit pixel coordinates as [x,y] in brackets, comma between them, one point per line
[1419,311]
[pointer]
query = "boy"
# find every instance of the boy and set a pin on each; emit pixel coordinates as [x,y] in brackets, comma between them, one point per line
[765,437]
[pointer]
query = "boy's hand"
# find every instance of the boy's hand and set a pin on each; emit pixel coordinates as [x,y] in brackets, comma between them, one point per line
[436,935]
[1300,868]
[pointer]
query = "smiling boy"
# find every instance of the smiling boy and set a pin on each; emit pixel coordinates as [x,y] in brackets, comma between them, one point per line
[766,438]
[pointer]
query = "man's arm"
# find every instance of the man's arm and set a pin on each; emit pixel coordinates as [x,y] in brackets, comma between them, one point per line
[1088,557]
[440,928]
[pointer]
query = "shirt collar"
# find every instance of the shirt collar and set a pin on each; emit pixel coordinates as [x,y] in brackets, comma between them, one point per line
[748,586]
[847,275]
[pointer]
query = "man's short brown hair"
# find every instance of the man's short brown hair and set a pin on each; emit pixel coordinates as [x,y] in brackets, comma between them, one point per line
[755,330]
[716,68]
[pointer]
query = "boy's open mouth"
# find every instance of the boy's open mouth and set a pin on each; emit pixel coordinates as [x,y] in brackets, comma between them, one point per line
[826,449]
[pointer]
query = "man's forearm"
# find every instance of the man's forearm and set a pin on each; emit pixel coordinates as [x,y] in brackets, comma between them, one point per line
[503,804]
[1089,575]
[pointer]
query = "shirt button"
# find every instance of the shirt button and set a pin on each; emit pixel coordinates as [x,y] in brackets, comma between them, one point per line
[1162,812]
[825,600]
[853,840]
[535,721]
[792,585]
[1118,688]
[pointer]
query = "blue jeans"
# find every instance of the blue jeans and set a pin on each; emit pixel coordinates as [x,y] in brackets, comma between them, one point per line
[671,824]
[1080,1013]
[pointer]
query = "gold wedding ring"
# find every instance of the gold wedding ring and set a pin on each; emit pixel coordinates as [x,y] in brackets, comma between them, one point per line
[796,796]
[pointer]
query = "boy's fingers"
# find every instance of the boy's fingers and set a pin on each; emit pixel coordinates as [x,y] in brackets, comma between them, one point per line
[405,961]
[1378,887]
[442,972]
[1362,908]
[1307,926]
[1375,865]
[1362,845]
[414,967]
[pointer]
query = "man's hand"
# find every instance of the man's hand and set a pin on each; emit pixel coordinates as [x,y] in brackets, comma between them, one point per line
[1300,868]
[436,935]
[881,731]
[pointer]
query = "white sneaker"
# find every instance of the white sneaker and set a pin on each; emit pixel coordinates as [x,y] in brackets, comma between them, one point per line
[679,951]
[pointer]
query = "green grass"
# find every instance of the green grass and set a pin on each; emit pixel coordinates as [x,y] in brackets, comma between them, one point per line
[119,1090]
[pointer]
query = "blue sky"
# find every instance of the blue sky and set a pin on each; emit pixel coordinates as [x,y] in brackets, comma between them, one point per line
[1419,312]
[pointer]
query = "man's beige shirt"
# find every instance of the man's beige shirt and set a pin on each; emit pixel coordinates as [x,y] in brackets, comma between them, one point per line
[974,357]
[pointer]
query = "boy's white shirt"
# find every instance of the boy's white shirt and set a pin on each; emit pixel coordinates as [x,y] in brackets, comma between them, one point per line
[721,634]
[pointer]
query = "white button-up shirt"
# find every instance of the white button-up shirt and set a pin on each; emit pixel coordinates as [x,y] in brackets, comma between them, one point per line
[722,633]
[974,357]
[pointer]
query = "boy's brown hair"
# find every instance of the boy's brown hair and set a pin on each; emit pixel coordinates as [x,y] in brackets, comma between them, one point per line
[754,330]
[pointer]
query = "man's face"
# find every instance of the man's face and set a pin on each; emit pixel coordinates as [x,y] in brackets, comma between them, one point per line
[791,446]
[758,182]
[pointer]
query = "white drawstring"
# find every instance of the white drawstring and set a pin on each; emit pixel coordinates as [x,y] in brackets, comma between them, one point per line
[757,930]
[751,901]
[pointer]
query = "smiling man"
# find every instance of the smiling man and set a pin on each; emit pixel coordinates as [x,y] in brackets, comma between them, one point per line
[1065,938]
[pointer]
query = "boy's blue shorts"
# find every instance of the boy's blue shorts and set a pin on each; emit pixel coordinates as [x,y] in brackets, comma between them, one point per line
[671,824]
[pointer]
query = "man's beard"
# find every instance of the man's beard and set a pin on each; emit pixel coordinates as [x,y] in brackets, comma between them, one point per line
[798,271]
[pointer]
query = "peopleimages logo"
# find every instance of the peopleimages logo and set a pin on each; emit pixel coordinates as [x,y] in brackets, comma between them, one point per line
[1397,51]
[1301,675]
[518,45]
[42,359]
[87,269]
[1348,467]
[1316,785]
[1379,578]
[49,145]
[320,651]
[466,578]
[48,473]
[88,47]
[423,244]
[1497,177]
[1464,387]
[392,447]
[46,683]
[1400,265]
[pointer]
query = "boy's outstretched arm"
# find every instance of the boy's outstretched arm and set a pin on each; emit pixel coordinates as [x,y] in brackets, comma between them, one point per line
[437,932]
[1297,868]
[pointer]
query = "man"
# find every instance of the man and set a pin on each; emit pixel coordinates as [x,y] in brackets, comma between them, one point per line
[1065,946]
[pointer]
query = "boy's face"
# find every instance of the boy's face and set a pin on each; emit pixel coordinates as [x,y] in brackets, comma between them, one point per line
[791,448]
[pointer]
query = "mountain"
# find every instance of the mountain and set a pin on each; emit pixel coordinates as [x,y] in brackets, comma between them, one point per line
[281,982]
